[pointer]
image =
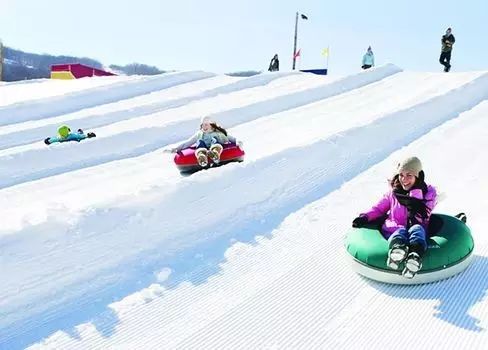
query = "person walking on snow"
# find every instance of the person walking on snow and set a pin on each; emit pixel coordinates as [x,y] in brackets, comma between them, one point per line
[368,59]
[447,41]
[209,142]
[407,207]
[274,65]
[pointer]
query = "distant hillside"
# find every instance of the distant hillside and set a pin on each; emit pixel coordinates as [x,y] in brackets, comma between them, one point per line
[20,65]
[136,69]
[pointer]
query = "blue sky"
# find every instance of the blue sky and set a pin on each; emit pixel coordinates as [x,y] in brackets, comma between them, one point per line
[224,36]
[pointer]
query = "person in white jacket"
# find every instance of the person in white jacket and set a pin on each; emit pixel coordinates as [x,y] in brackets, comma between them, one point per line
[209,141]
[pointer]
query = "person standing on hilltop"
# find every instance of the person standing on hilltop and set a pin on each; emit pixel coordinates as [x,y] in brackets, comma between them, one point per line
[447,41]
[274,65]
[368,59]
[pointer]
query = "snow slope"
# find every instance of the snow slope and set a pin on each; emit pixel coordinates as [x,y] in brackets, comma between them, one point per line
[118,250]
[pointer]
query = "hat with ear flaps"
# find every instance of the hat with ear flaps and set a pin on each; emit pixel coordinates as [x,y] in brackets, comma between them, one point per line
[410,164]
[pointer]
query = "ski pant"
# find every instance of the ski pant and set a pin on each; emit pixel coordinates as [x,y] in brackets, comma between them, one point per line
[415,236]
[202,144]
[445,59]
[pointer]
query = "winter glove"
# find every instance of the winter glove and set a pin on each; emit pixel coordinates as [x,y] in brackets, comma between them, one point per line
[414,205]
[360,221]
[46,141]
[91,134]
[80,131]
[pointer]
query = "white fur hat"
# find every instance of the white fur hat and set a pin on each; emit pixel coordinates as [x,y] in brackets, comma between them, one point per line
[205,119]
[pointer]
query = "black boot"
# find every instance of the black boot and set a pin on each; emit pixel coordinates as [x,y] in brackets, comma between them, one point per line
[414,261]
[397,253]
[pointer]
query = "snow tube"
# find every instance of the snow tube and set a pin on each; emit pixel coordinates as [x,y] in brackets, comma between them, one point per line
[450,248]
[186,162]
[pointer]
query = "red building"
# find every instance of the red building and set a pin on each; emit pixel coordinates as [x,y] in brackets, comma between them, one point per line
[76,71]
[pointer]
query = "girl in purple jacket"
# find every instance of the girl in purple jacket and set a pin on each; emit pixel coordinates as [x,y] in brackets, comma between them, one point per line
[407,208]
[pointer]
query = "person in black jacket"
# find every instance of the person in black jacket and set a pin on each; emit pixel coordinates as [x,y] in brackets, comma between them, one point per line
[274,65]
[447,42]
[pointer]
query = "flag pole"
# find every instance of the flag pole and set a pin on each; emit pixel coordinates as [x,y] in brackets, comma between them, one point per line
[1,59]
[295,41]
[328,54]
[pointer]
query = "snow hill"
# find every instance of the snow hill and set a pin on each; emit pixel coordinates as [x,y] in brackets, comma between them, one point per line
[103,244]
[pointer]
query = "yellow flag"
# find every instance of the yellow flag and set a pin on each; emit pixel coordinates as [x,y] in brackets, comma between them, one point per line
[325,52]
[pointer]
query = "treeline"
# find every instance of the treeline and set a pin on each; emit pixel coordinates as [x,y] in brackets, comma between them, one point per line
[247,73]
[136,69]
[20,65]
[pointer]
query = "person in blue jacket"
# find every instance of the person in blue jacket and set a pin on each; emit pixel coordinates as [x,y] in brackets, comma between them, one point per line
[368,59]
[65,135]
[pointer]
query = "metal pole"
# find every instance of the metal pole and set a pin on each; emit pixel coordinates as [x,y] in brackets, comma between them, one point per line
[295,41]
[328,54]
[1,59]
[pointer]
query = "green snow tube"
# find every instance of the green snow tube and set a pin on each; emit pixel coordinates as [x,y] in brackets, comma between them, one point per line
[450,248]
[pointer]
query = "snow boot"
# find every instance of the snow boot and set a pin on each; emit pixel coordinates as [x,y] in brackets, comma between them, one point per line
[201,154]
[396,254]
[414,260]
[91,134]
[462,217]
[214,153]
[412,265]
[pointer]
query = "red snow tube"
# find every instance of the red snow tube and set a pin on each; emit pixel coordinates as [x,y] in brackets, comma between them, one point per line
[186,162]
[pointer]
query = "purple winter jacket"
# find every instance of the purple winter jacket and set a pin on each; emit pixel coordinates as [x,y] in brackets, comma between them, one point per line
[397,213]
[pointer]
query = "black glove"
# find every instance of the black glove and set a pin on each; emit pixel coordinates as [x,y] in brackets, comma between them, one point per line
[46,141]
[360,221]
[415,207]
[80,131]
[91,134]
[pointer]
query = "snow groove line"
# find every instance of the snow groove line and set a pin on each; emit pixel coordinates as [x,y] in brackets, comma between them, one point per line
[155,137]
[402,112]
[410,117]
[57,105]
[179,312]
[234,323]
[384,136]
[383,144]
[477,281]
[154,161]
[94,120]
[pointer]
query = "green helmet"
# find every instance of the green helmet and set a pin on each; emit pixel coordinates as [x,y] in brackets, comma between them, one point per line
[64,131]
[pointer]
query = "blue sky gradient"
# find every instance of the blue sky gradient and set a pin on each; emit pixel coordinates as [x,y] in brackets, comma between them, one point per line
[223,36]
